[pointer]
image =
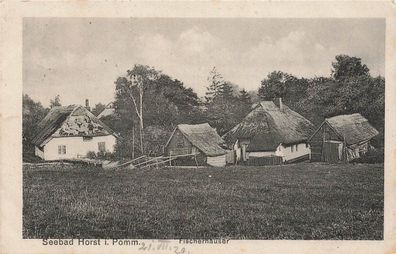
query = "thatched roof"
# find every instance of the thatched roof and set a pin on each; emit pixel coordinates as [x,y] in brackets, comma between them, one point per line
[108,110]
[66,121]
[353,128]
[267,126]
[203,137]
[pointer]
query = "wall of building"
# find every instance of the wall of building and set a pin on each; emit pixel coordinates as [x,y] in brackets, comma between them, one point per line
[298,150]
[38,152]
[217,161]
[179,145]
[261,154]
[316,141]
[76,147]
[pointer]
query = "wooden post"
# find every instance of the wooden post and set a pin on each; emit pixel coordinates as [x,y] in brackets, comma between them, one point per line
[196,162]
[170,158]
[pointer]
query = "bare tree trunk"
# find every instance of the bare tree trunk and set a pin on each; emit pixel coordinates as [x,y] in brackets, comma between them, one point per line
[133,142]
[141,140]
[139,110]
[141,118]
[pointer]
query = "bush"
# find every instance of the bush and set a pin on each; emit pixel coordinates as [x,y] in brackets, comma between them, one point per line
[91,155]
[105,156]
[372,156]
[100,155]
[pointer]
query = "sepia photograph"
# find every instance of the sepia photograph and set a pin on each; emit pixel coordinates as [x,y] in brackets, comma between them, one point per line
[203,128]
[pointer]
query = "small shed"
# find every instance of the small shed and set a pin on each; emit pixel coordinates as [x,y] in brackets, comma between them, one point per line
[342,138]
[200,141]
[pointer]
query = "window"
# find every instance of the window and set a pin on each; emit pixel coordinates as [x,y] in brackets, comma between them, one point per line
[297,148]
[61,149]
[86,138]
[292,148]
[102,146]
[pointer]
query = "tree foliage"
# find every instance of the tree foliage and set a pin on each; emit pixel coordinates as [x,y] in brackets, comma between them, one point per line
[224,109]
[32,113]
[346,67]
[165,103]
[55,102]
[350,89]
[99,107]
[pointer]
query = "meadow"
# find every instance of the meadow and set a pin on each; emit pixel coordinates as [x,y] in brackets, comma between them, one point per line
[299,201]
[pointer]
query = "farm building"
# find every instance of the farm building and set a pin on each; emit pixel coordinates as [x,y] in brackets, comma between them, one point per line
[199,140]
[107,111]
[342,138]
[270,134]
[70,132]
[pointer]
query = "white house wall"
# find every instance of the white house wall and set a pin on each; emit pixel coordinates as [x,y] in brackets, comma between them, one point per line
[261,154]
[76,147]
[287,154]
[38,152]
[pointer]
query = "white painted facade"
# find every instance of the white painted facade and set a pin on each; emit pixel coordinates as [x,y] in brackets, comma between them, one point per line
[286,152]
[294,151]
[59,148]
[261,154]
[217,161]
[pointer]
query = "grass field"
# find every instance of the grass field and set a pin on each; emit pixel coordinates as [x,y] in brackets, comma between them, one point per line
[300,201]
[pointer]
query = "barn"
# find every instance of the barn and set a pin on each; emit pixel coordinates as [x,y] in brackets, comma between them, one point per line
[342,138]
[107,111]
[270,134]
[201,141]
[70,132]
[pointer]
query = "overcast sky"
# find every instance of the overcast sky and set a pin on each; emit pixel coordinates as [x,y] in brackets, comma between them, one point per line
[80,58]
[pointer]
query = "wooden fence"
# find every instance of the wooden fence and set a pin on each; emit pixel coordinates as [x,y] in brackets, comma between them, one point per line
[263,161]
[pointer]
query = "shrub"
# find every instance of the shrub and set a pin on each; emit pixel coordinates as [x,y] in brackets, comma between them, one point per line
[105,156]
[91,155]
[372,156]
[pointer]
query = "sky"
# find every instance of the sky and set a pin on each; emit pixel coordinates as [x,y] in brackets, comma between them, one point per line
[80,58]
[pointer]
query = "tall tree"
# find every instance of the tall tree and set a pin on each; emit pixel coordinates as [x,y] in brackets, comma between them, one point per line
[245,103]
[346,67]
[55,102]
[215,83]
[32,113]
[275,85]
[164,103]
[99,107]
[133,86]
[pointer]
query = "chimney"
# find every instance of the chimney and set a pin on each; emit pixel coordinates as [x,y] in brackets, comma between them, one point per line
[87,105]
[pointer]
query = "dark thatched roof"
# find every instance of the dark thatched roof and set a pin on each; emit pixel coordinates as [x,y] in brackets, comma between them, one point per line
[267,126]
[67,121]
[353,128]
[203,137]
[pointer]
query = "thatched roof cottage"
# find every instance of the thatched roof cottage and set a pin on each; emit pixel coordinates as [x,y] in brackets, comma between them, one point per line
[342,138]
[70,132]
[201,141]
[107,111]
[271,134]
